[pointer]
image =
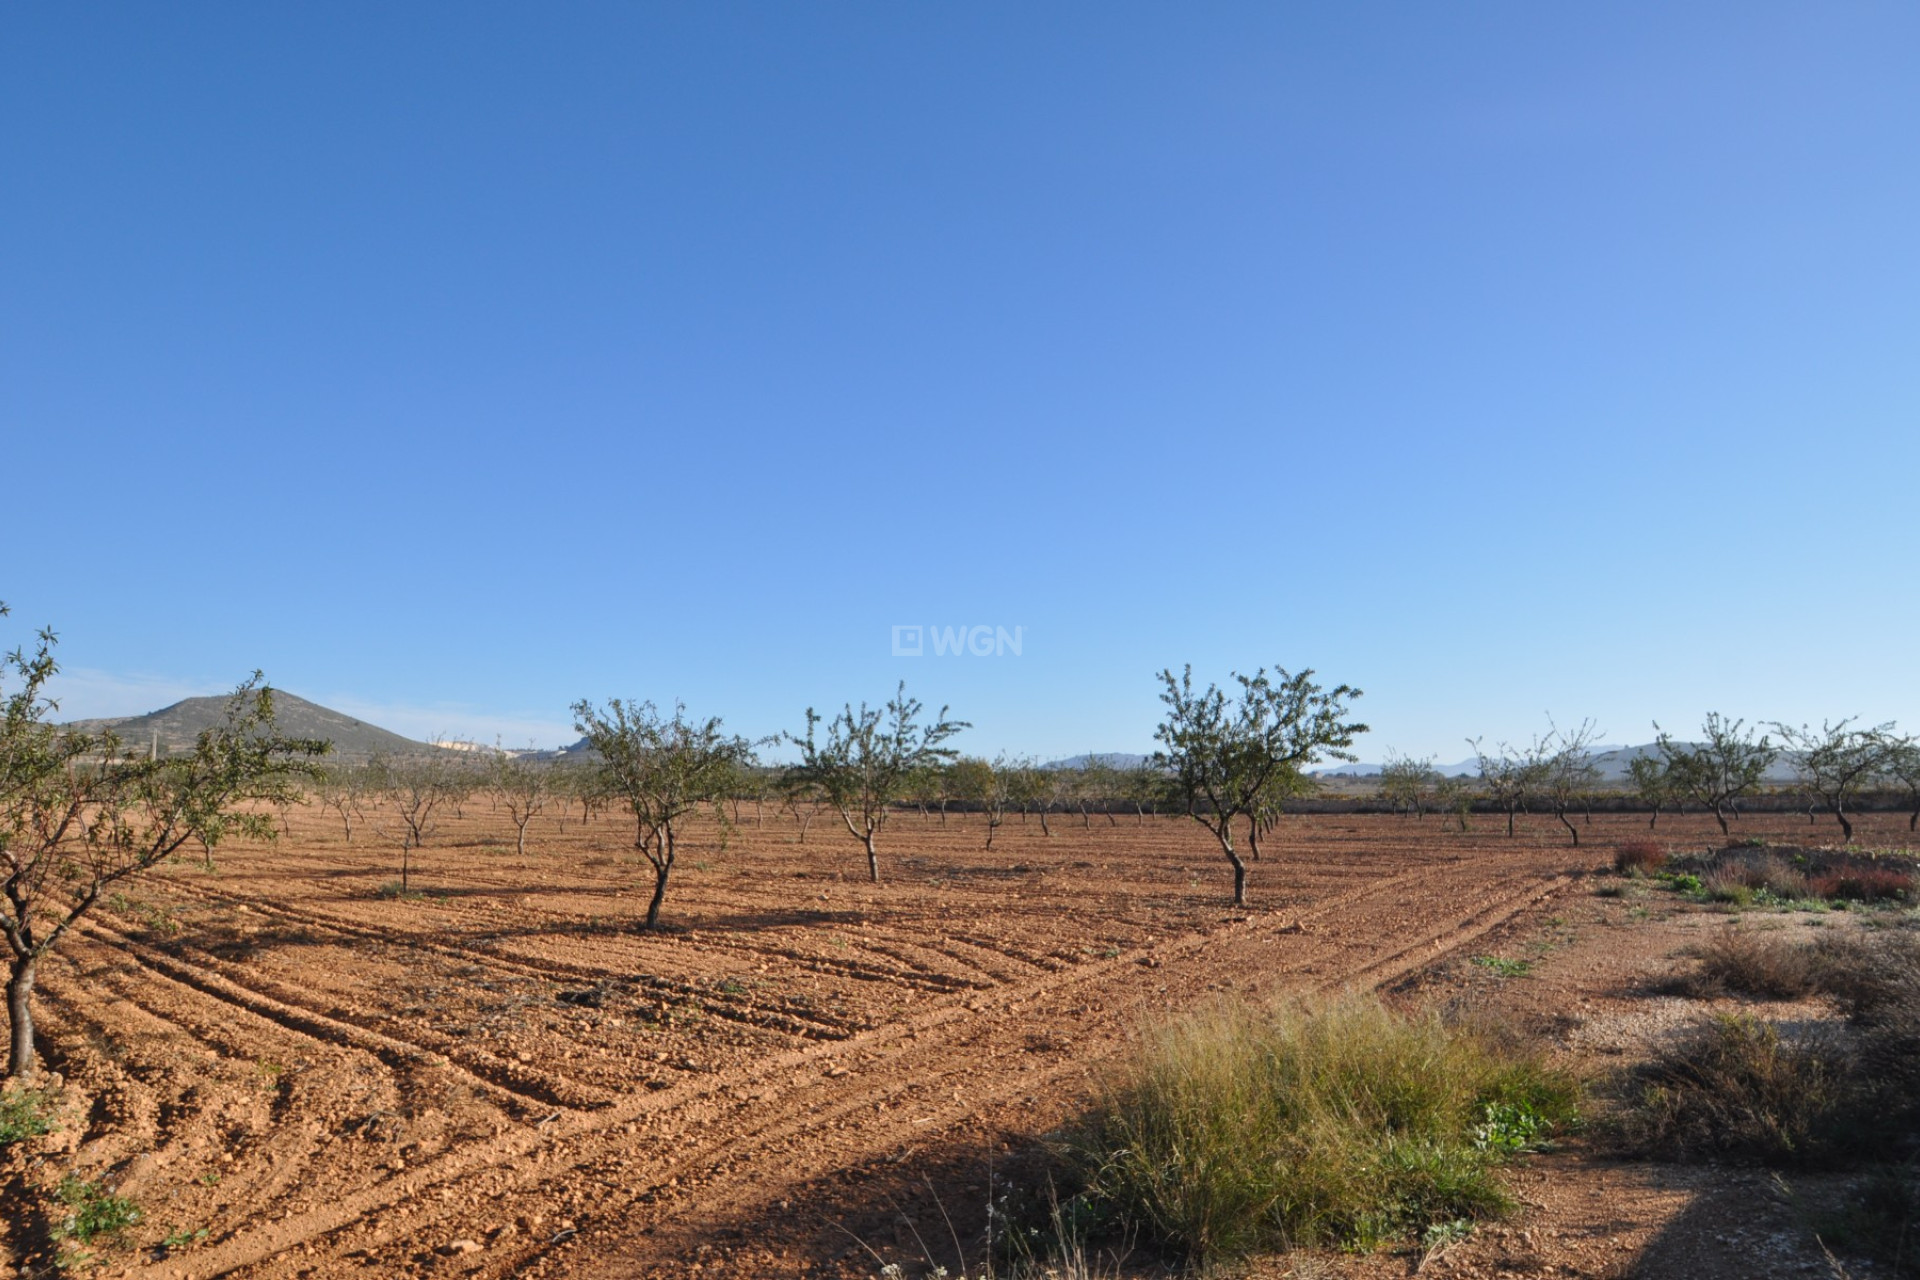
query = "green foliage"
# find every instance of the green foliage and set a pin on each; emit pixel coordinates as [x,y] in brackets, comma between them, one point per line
[868,759]
[23,1114]
[1239,758]
[1513,1127]
[1726,764]
[1240,1128]
[93,1212]
[1505,967]
[78,814]
[664,769]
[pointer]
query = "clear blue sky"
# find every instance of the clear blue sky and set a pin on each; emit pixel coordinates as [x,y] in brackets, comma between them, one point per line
[454,362]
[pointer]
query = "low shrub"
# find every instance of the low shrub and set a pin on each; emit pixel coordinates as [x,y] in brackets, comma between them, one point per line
[1243,1127]
[1639,858]
[1863,882]
[1759,871]
[1735,1087]
[1755,964]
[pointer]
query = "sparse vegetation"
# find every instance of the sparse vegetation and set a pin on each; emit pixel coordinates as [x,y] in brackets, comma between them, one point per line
[23,1114]
[93,1212]
[1242,1127]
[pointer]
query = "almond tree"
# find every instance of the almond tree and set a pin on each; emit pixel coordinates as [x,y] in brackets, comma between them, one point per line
[415,788]
[868,759]
[1835,761]
[1902,766]
[664,770]
[987,783]
[78,814]
[1230,756]
[1406,783]
[1727,763]
[346,789]
[524,788]
[1569,773]
[1509,775]
[1653,782]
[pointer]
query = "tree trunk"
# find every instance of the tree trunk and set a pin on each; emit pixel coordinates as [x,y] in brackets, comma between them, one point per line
[873,859]
[522,844]
[1721,818]
[1655,819]
[1846,823]
[20,1061]
[659,894]
[1044,828]
[1510,822]
[1568,824]
[1912,819]
[1253,841]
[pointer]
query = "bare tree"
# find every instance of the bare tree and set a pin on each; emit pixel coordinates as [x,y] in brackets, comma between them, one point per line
[1227,754]
[664,769]
[347,789]
[1727,763]
[867,759]
[524,788]
[414,788]
[77,814]
[1835,761]
[1569,772]
[1036,789]
[1510,775]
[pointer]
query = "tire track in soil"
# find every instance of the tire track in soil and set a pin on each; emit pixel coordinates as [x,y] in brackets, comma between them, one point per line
[818,1087]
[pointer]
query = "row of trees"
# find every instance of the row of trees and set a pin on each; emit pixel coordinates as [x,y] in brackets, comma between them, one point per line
[1835,765]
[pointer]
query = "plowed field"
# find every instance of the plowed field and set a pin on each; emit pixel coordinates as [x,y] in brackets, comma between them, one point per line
[298,1072]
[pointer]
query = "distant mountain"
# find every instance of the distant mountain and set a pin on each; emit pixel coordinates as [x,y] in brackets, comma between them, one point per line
[177,727]
[1111,759]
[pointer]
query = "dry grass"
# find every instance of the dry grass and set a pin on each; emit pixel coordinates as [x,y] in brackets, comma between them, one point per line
[1243,1128]
[1749,963]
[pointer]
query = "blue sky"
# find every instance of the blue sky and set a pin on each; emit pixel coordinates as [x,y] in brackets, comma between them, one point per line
[455,362]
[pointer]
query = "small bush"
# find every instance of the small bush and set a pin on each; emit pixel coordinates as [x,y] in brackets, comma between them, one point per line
[1735,1087]
[1639,858]
[1681,881]
[1757,871]
[23,1114]
[1863,882]
[1753,964]
[93,1212]
[1726,884]
[1241,1128]
[1874,974]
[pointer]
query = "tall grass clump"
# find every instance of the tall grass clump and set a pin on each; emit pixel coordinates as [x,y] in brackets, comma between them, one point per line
[1245,1127]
